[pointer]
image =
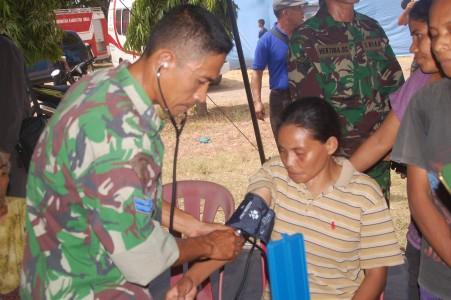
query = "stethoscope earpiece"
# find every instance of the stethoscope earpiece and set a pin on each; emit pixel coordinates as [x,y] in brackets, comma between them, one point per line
[162,66]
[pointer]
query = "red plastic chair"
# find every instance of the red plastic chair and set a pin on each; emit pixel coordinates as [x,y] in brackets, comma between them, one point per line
[216,196]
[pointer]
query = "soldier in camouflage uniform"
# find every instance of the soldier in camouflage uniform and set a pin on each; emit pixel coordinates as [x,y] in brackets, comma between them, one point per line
[345,57]
[94,189]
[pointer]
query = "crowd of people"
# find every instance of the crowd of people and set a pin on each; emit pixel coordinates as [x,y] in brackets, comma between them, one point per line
[345,58]
[339,104]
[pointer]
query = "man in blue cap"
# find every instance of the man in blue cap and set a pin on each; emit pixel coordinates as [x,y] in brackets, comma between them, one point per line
[271,52]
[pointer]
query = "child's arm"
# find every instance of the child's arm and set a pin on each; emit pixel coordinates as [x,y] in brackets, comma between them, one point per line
[427,216]
[377,145]
[373,285]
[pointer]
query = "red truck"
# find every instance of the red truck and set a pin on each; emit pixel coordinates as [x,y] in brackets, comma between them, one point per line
[90,24]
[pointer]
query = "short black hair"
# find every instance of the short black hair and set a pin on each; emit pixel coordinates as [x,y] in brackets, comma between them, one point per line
[261,21]
[314,114]
[189,30]
[278,13]
[420,11]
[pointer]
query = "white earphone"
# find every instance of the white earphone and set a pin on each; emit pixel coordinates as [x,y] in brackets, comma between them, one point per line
[163,65]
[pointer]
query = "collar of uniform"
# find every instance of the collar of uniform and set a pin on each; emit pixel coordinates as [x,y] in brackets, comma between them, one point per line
[328,20]
[143,104]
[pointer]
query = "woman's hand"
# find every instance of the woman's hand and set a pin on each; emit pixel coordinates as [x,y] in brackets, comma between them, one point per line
[184,289]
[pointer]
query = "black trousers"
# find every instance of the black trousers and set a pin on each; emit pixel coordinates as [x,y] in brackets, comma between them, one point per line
[278,101]
[413,261]
[17,177]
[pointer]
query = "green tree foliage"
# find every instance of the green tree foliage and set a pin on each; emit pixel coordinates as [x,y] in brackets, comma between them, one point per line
[146,13]
[31,24]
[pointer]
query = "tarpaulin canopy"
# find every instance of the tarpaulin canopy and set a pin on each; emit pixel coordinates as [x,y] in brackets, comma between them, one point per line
[245,31]
[386,12]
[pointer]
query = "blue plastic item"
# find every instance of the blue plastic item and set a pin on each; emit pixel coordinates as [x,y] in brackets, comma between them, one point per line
[204,140]
[288,268]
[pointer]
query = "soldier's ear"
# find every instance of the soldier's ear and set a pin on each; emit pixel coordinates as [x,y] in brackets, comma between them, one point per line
[166,58]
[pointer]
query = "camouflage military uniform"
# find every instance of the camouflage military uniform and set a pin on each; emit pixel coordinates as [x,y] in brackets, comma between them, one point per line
[352,66]
[94,196]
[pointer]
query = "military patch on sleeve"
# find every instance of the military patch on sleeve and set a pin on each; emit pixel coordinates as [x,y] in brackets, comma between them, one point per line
[144,206]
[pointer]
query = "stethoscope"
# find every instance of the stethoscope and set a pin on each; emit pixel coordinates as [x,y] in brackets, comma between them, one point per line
[178,127]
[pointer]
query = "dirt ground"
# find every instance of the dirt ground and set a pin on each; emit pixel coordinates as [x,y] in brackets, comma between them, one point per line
[214,149]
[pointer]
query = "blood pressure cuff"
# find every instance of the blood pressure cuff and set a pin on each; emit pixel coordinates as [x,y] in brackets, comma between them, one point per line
[253,217]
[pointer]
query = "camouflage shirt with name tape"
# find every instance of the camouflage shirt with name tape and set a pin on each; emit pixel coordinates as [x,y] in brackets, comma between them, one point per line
[94,195]
[352,66]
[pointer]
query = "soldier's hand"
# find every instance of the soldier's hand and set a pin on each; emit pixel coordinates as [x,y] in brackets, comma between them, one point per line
[184,289]
[225,244]
[259,110]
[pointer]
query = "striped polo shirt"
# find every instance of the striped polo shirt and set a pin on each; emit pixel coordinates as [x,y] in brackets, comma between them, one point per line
[346,229]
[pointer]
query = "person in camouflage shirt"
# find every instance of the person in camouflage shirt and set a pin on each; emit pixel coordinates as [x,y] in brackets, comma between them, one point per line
[94,188]
[345,57]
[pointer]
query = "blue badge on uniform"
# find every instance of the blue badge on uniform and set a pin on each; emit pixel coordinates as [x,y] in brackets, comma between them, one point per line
[144,206]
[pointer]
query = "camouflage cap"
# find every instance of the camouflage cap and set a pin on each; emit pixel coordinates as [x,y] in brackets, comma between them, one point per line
[281,4]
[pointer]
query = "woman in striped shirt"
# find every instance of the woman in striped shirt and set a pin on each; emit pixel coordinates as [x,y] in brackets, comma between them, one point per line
[348,231]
